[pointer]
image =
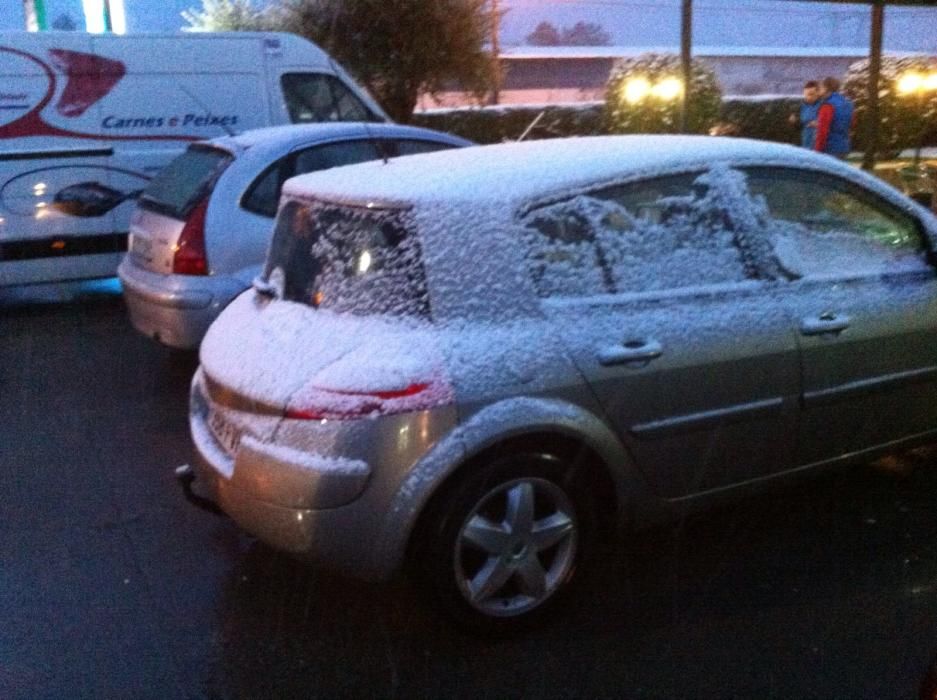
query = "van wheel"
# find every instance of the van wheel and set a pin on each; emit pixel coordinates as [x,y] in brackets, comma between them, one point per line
[499,547]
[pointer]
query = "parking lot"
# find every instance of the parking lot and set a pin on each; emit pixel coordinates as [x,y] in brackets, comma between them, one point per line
[111,585]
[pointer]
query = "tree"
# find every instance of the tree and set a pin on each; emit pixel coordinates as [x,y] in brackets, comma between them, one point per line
[544,34]
[585,34]
[643,95]
[227,16]
[904,119]
[401,48]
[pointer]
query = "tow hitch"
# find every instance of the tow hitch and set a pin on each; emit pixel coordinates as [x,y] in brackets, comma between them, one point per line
[185,475]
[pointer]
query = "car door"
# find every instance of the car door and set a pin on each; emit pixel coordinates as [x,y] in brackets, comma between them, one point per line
[672,324]
[864,299]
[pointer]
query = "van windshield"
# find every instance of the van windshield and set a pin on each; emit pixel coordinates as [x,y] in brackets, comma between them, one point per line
[352,259]
[185,181]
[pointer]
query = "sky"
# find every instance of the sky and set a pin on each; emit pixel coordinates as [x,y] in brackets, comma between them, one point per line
[630,22]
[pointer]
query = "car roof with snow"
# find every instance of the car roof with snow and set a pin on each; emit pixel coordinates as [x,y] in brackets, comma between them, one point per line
[517,172]
[286,135]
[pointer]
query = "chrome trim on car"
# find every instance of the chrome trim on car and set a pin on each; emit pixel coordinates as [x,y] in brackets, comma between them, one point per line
[885,382]
[706,419]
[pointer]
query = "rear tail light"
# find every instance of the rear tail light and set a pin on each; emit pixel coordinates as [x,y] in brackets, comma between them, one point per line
[332,404]
[189,257]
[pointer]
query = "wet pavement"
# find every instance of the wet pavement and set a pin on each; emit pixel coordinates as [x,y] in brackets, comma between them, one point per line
[112,586]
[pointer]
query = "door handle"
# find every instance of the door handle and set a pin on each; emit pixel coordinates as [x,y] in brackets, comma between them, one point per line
[827,322]
[630,351]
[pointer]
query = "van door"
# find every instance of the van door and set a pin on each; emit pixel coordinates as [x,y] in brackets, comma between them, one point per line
[54,216]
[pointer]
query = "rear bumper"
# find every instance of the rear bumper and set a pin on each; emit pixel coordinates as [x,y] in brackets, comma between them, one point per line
[310,501]
[175,310]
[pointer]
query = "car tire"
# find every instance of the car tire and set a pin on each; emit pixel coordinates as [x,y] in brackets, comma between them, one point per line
[498,549]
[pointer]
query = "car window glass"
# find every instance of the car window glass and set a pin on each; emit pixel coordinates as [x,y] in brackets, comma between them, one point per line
[313,97]
[333,155]
[264,193]
[410,147]
[825,225]
[662,233]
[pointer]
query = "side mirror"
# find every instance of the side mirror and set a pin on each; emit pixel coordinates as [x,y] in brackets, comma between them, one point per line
[89,199]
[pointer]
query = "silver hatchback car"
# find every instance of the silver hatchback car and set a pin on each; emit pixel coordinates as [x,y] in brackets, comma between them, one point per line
[475,362]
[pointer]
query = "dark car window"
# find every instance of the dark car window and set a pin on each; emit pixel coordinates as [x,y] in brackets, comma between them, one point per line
[263,195]
[348,259]
[333,155]
[827,225]
[412,147]
[661,233]
[314,97]
[179,186]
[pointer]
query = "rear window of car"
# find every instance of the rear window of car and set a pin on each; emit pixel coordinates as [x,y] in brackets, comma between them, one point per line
[179,186]
[352,259]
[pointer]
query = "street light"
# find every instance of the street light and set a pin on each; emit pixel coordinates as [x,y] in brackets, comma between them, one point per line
[921,84]
[639,89]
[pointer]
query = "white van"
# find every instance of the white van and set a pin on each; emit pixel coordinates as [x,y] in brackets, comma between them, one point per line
[86,120]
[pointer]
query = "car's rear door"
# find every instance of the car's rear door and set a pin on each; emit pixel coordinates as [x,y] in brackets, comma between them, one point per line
[864,299]
[674,327]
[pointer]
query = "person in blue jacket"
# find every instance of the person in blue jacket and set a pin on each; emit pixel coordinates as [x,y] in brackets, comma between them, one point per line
[806,119]
[834,120]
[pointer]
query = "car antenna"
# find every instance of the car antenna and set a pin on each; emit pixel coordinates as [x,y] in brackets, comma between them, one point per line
[531,126]
[228,130]
[337,70]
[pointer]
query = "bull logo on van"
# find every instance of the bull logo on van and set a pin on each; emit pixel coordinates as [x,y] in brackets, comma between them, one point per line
[88,78]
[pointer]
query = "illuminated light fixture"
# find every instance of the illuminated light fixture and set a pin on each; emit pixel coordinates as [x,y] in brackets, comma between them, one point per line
[636,90]
[668,89]
[364,262]
[910,82]
[40,205]
[105,16]
[58,245]
[39,189]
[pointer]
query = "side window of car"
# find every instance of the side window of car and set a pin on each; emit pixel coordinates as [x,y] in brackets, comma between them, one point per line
[412,147]
[825,225]
[263,195]
[662,233]
[314,97]
[333,155]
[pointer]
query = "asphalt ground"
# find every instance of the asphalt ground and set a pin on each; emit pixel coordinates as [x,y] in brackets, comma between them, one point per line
[113,586]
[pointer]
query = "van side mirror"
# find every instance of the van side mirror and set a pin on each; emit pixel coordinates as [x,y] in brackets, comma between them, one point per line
[89,199]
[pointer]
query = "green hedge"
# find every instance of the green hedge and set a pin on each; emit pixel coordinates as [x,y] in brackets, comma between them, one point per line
[507,123]
[765,119]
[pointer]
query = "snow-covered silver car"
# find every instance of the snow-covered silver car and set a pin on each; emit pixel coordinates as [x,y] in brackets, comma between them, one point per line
[201,228]
[475,362]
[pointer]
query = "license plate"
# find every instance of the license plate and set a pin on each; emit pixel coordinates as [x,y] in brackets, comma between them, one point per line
[227,435]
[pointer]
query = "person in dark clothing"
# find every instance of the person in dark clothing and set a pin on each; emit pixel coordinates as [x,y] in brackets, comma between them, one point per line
[834,120]
[806,118]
